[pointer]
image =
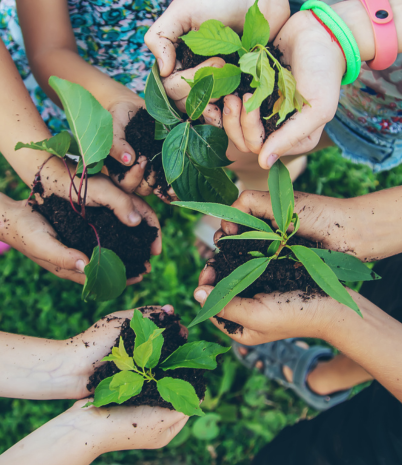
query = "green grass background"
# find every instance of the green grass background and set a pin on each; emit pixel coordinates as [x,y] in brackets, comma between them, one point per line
[245,409]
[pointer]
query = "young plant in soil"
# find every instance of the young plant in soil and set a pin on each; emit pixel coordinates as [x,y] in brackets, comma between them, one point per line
[326,268]
[151,362]
[264,74]
[193,155]
[78,225]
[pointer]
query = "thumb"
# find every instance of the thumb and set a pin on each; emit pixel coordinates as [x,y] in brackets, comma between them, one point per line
[201,294]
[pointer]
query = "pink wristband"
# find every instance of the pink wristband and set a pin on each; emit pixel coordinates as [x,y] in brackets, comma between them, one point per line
[386,39]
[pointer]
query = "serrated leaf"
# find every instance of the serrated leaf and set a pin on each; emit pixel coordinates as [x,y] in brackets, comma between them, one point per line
[207,146]
[181,395]
[287,85]
[226,79]
[203,184]
[104,395]
[199,97]
[345,266]
[256,28]
[324,276]
[281,192]
[127,384]
[105,276]
[143,328]
[198,354]
[229,287]
[120,357]
[57,145]
[90,123]
[173,151]
[255,235]
[266,87]
[144,351]
[226,213]
[213,38]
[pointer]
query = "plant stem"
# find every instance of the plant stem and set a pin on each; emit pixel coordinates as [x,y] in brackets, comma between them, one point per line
[37,179]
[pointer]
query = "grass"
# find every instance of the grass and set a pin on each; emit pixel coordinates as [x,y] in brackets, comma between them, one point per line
[245,410]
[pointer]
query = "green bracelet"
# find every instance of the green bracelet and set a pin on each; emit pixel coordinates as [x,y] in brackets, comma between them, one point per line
[343,34]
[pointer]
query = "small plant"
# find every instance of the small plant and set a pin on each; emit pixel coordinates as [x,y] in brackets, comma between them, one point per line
[192,154]
[138,369]
[92,136]
[327,268]
[214,38]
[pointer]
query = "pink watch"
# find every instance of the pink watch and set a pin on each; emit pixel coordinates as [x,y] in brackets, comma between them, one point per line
[386,39]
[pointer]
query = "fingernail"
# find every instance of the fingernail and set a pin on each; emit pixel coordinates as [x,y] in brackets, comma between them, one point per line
[134,218]
[208,120]
[80,265]
[200,296]
[168,309]
[144,164]
[126,158]
[226,110]
[272,159]
[160,64]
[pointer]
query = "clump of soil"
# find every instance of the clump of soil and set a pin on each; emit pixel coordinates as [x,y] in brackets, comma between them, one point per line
[281,275]
[132,245]
[140,134]
[188,59]
[173,340]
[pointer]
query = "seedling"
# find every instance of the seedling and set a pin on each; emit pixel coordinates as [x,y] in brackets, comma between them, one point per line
[192,154]
[92,136]
[214,38]
[140,369]
[327,268]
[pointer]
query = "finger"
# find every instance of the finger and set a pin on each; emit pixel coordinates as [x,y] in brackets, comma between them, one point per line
[253,129]
[213,116]
[121,150]
[207,276]
[136,280]
[175,429]
[308,144]
[218,235]
[232,121]
[73,276]
[147,185]
[133,178]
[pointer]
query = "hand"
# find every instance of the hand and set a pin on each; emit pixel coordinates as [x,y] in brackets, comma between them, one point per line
[318,65]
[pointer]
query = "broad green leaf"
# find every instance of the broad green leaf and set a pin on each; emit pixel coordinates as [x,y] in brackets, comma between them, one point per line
[198,354]
[226,79]
[273,248]
[57,145]
[287,86]
[91,169]
[226,213]
[173,151]
[181,395]
[120,357]
[213,38]
[143,328]
[162,130]
[324,276]
[90,123]
[346,267]
[256,235]
[256,254]
[105,276]
[229,287]
[127,383]
[256,28]
[207,146]
[143,352]
[248,63]
[281,192]
[206,428]
[156,100]
[205,185]
[266,87]
[104,395]
[199,97]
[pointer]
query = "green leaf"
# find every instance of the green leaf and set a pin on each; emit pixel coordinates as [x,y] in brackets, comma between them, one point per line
[273,248]
[281,191]
[90,123]
[104,395]
[105,276]
[226,79]
[156,100]
[256,28]
[226,213]
[143,328]
[256,254]
[324,276]
[162,130]
[91,169]
[173,151]
[57,145]
[144,352]
[199,97]
[206,428]
[256,235]
[287,86]
[296,224]
[229,287]
[202,184]
[266,87]
[213,38]
[120,357]
[346,267]
[198,354]
[207,146]
[248,64]
[181,395]
[127,383]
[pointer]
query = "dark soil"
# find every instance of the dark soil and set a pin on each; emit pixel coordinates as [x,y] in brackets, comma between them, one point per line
[281,275]
[132,245]
[189,60]
[140,134]
[173,340]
